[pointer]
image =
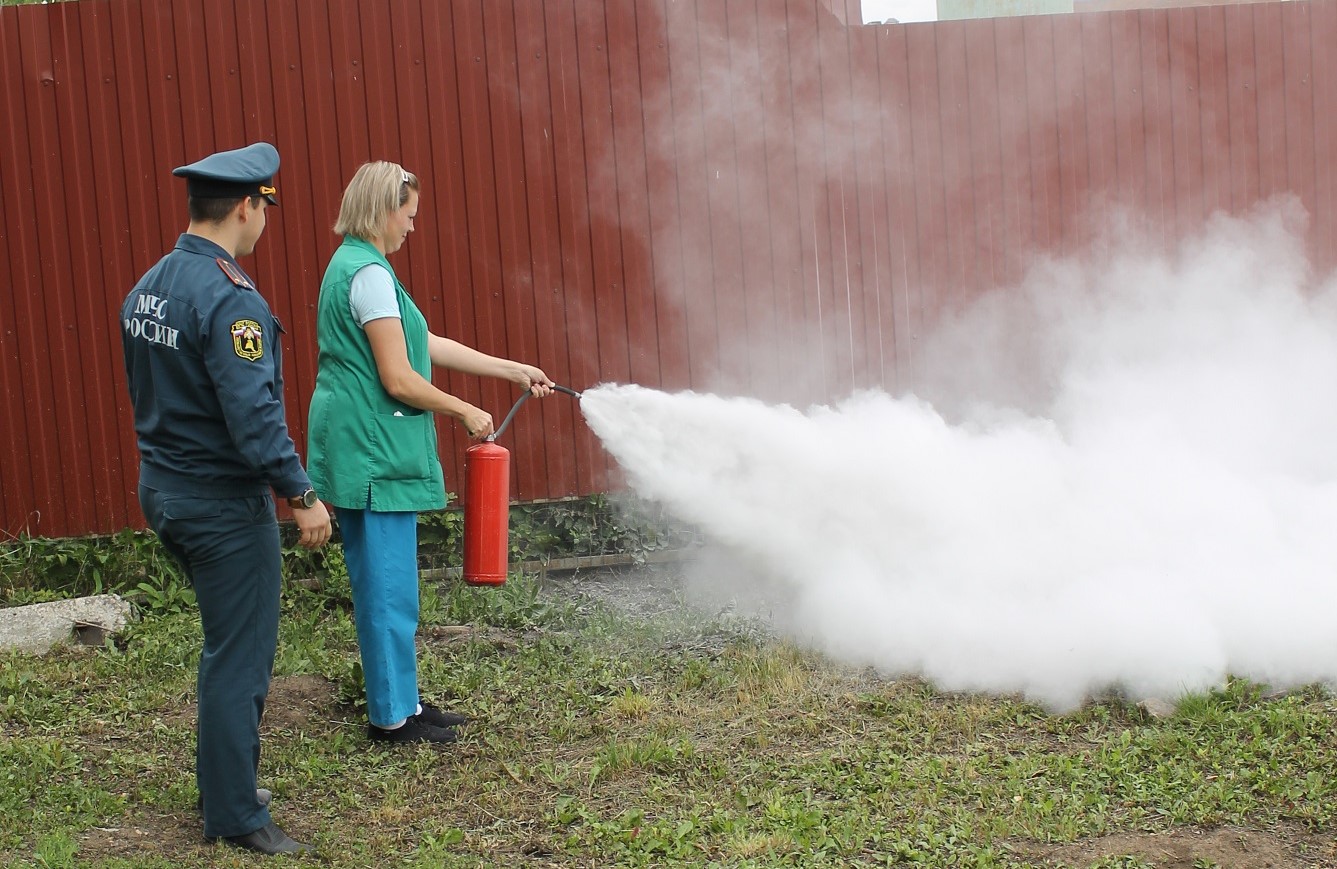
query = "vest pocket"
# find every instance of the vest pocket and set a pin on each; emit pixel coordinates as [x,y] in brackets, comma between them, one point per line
[399,448]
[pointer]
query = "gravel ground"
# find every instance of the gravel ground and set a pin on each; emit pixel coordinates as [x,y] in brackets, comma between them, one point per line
[641,590]
[679,595]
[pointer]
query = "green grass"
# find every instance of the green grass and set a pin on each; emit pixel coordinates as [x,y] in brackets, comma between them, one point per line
[600,742]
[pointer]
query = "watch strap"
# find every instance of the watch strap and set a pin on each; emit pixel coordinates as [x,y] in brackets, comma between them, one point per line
[303,501]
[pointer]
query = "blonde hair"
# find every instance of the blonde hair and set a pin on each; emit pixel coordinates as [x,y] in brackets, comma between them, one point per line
[376,190]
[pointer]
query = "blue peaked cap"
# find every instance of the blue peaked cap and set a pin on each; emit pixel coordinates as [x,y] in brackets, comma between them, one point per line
[232,174]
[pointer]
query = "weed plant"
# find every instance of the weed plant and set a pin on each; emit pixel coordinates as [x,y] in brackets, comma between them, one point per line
[135,565]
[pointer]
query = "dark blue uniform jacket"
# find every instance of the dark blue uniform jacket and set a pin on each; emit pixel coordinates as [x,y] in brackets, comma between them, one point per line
[206,379]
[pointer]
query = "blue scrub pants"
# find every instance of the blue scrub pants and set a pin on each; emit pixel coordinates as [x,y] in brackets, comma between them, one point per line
[381,550]
[229,548]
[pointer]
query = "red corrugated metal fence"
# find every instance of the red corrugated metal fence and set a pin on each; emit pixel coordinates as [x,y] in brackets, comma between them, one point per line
[743,195]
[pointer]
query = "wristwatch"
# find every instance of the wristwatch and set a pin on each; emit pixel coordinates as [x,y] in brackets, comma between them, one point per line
[304,501]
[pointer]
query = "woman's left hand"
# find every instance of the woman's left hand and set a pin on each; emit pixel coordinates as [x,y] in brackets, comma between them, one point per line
[533,379]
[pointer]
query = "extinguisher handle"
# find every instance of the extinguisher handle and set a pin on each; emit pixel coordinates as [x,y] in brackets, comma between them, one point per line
[525,396]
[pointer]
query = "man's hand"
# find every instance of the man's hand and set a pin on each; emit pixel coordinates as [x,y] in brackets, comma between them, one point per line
[314,523]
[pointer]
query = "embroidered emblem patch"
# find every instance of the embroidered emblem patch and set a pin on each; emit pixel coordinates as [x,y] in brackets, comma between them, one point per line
[247,340]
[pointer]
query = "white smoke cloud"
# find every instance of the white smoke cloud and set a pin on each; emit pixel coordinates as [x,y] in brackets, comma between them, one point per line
[1127,479]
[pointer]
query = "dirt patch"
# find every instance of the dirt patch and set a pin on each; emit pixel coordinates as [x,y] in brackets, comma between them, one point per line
[164,836]
[296,702]
[640,591]
[1283,847]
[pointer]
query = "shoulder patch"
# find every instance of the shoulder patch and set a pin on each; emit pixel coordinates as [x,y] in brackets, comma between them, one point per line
[234,274]
[248,340]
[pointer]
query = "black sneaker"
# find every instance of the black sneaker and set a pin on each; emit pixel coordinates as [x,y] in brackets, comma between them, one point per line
[440,717]
[269,839]
[412,730]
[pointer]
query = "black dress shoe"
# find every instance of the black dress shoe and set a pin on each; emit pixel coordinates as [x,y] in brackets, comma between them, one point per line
[261,794]
[412,730]
[269,839]
[440,717]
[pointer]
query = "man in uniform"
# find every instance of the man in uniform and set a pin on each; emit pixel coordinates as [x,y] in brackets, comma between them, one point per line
[205,371]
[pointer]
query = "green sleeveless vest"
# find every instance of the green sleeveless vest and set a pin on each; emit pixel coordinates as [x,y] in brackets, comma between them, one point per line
[366,449]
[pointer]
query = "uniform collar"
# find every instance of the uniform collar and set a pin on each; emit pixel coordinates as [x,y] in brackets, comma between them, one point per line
[201,245]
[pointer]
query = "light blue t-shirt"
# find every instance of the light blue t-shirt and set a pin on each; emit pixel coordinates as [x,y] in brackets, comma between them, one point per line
[372,295]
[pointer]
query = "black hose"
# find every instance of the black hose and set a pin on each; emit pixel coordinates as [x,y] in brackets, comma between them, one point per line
[525,396]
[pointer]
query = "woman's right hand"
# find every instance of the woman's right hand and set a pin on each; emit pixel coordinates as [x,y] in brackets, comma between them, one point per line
[478,423]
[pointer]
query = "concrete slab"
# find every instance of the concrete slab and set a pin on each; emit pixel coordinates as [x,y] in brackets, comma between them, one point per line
[38,627]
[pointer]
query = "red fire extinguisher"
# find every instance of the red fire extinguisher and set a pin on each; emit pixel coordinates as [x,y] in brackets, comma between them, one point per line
[487,513]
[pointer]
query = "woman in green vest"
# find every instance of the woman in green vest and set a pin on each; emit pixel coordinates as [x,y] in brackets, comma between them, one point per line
[372,441]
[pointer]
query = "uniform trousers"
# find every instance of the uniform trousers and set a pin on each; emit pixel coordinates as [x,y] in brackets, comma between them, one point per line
[229,548]
[381,550]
